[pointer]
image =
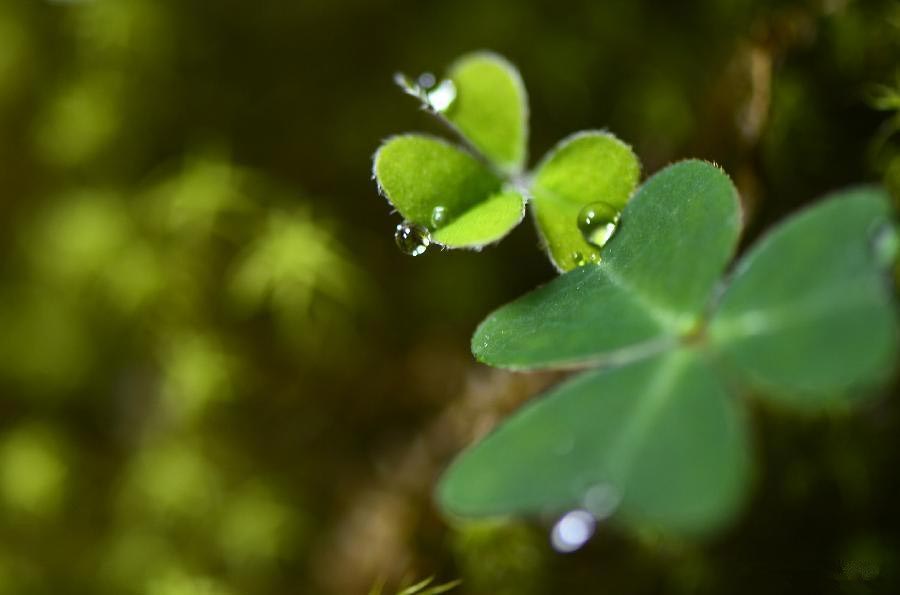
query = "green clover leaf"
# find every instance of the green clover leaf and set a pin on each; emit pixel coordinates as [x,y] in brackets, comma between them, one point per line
[445,189]
[583,169]
[807,316]
[472,195]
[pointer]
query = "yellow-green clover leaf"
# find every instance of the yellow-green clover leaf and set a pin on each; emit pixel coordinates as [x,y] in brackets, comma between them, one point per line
[472,195]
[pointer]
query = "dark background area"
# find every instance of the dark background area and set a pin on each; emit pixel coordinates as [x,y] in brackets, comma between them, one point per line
[219,376]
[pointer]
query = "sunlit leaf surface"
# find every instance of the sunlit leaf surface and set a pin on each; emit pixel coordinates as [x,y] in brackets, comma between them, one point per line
[587,167]
[423,176]
[490,108]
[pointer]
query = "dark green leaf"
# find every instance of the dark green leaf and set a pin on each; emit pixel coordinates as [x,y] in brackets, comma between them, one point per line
[658,271]
[661,434]
[809,315]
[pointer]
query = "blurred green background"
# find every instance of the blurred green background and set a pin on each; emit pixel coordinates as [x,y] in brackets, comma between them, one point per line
[218,374]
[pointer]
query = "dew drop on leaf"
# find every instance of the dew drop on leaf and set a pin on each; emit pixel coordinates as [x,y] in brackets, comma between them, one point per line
[572,531]
[886,244]
[442,96]
[597,222]
[438,216]
[581,259]
[602,500]
[412,239]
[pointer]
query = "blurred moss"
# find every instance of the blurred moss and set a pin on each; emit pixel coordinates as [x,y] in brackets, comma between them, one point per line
[298,271]
[33,472]
[123,31]
[88,242]
[80,121]
[135,556]
[198,371]
[172,482]
[178,582]
[255,527]
[192,201]
[499,558]
[14,50]
[45,347]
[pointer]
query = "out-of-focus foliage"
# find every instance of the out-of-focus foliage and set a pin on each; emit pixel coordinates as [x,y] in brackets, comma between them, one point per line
[423,587]
[810,323]
[169,423]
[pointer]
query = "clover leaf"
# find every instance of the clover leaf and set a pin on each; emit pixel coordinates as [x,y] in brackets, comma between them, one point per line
[471,195]
[656,429]
[445,189]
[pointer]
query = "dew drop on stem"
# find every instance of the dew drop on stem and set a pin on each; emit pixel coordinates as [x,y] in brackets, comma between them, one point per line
[442,96]
[426,80]
[412,239]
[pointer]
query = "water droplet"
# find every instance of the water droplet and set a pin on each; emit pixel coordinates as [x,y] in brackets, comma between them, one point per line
[412,239]
[442,96]
[438,216]
[602,500]
[886,244]
[581,259]
[426,80]
[407,84]
[597,222]
[572,531]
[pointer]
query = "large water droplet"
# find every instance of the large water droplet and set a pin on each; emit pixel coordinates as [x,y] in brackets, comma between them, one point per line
[442,96]
[438,216]
[572,531]
[602,500]
[597,222]
[412,239]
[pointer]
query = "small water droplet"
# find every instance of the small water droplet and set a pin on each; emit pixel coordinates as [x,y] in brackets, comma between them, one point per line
[572,531]
[426,80]
[442,96]
[597,222]
[438,216]
[412,239]
[602,500]
[886,244]
[581,259]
